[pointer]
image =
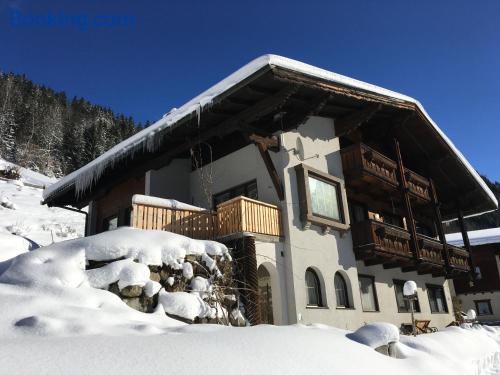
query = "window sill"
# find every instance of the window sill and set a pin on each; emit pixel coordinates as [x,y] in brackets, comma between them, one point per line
[440,312]
[344,308]
[311,307]
[371,311]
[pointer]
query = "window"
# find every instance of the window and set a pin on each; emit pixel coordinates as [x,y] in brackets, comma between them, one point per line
[324,198]
[321,197]
[368,293]
[313,289]
[403,303]
[392,219]
[437,299]
[483,307]
[110,223]
[341,291]
[248,189]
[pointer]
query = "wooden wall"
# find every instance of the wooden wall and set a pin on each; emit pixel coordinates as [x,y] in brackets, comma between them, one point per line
[116,201]
[485,257]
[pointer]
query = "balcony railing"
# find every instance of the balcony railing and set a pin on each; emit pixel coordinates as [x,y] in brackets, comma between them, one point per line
[379,243]
[235,217]
[363,165]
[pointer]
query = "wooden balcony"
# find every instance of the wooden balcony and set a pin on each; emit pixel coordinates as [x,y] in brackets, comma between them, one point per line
[236,217]
[375,242]
[372,171]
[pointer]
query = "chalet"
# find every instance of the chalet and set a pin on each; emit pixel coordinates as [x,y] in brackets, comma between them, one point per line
[483,295]
[331,191]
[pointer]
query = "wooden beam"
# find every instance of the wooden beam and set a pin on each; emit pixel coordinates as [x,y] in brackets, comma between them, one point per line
[269,143]
[465,238]
[349,123]
[439,223]
[273,174]
[407,203]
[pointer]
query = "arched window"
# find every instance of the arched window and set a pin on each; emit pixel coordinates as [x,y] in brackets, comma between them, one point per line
[341,291]
[313,288]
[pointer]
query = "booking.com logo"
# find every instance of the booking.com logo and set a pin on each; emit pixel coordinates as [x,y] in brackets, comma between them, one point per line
[81,22]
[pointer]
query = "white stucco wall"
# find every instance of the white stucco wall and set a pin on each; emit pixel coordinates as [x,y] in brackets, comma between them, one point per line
[468,303]
[171,181]
[237,168]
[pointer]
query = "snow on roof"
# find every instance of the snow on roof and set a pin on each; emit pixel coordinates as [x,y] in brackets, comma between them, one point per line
[146,140]
[476,237]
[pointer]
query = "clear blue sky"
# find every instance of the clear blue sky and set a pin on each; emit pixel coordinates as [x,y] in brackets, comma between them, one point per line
[162,53]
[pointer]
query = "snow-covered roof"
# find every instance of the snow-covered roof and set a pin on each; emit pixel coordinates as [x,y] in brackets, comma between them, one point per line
[476,237]
[84,177]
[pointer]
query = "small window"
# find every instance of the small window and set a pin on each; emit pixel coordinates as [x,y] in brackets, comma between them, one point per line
[483,307]
[321,198]
[368,293]
[437,299]
[110,223]
[313,289]
[248,189]
[403,303]
[392,219]
[341,291]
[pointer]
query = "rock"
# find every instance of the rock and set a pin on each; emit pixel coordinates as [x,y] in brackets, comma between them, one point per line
[131,291]
[155,276]
[135,303]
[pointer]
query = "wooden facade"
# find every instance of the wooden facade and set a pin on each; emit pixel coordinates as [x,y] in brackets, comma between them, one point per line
[381,183]
[235,217]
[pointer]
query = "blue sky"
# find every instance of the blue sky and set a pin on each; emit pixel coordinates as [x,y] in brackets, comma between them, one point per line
[154,55]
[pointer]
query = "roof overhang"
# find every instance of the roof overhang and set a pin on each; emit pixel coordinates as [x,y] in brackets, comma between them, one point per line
[247,101]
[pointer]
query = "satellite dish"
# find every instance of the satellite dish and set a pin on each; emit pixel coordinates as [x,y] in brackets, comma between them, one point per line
[299,149]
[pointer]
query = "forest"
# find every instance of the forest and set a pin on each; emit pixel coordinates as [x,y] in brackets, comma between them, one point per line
[43,130]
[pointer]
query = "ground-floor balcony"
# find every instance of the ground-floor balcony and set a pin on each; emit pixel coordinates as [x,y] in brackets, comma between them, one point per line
[391,246]
[237,217]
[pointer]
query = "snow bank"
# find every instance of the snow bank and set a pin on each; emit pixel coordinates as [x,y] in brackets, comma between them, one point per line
[11,246]
[147,140]
[185,305]
[376,334]
[164,203]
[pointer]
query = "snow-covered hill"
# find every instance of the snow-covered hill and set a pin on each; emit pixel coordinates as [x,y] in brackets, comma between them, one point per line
[22,214]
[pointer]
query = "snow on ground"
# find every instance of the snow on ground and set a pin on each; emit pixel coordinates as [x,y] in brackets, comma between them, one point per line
[29,176]
[54,322]
[22,214]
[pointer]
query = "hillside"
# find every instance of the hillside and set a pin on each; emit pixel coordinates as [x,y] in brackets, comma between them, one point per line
[44,131]
[21,212]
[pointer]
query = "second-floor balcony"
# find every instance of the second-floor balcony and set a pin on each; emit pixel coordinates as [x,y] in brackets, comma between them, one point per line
[236,217]
[364,167]
[379,243]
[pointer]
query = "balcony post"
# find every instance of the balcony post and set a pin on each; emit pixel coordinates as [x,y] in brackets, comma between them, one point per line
[439,222]
[465,238]
[407,203]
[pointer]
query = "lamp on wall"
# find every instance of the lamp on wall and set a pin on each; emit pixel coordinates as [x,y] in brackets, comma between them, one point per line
[410,294]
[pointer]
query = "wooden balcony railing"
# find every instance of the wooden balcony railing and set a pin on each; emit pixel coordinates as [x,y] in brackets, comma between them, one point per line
[375,239]
[236,216]
[431,250]
[379,243]
[459,258]
[194,224]
[361,164]
[242,214]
